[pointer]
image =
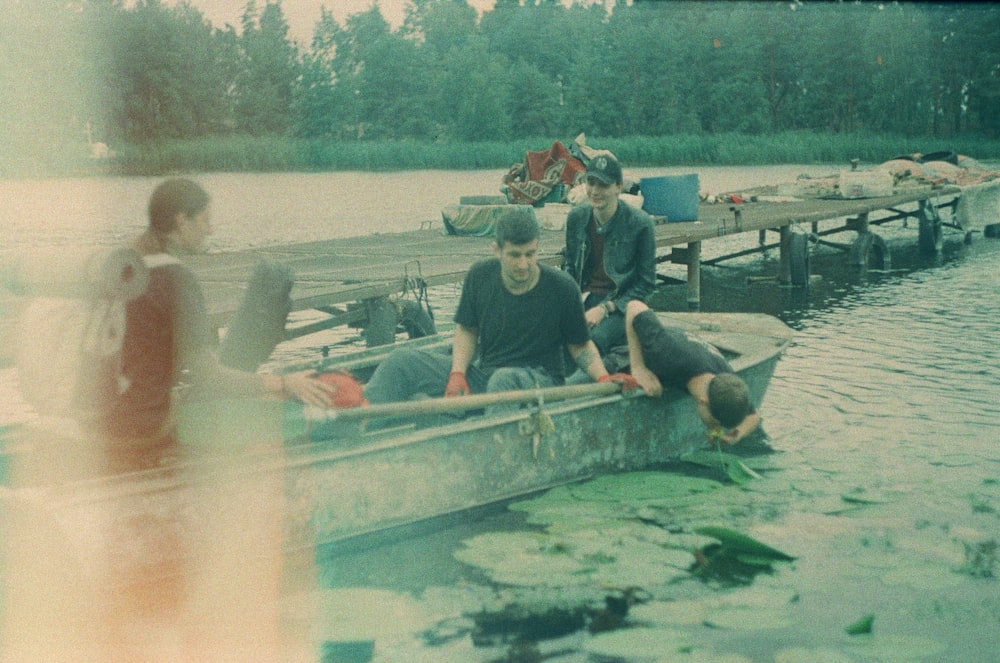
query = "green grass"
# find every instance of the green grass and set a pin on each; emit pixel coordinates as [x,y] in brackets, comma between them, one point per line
[276,154]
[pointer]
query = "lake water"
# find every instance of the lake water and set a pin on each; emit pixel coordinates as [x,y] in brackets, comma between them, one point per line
[883,422]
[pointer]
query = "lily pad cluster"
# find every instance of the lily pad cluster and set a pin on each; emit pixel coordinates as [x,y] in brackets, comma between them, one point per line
[608,543]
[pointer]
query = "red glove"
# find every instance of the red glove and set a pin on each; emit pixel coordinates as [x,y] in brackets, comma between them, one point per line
[627,382]
[349,392]
[457,385]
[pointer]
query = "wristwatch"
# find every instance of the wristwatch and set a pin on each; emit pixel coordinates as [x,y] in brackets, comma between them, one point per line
[607,306]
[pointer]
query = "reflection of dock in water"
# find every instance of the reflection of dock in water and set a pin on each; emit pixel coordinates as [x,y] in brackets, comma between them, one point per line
[332,274]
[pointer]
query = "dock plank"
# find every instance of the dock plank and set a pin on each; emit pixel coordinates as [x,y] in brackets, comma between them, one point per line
[338,271]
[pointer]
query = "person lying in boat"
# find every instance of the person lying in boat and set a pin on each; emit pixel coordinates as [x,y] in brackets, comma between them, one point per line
[661,355]
[518,315]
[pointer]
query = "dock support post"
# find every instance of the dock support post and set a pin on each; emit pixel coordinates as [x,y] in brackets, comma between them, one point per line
[793,260]
[694,276]
[929,238]
[784,257]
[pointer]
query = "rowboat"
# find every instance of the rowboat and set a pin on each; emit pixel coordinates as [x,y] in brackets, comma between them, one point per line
[339,478]
[357,482]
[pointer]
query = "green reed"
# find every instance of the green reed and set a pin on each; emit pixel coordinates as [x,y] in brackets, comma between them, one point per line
[280,154]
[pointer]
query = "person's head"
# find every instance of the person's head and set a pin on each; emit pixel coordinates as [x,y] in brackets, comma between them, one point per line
[604,168]
[516,246]
[729,400]
[604,183]
[179,209]
[518,226]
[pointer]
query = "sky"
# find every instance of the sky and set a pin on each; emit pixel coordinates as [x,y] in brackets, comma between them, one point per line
[302,15]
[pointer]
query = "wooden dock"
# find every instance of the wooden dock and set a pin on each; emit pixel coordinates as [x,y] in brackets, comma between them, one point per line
[330,275]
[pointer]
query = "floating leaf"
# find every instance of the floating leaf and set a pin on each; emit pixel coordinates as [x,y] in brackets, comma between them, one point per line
[741,543]
[804,655]
[754,560]
[635,486]
[639,644]
[863,625]
[734,467]
[863,496]
[738,472]
[749,618]
[897,647]
[672,613]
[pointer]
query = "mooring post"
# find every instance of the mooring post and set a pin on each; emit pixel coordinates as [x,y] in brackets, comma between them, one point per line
[383,318]
[859,223]
[784,255]
[694,276]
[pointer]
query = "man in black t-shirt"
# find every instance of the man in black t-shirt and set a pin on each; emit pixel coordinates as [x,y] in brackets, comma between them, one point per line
[661,355]
[514,320]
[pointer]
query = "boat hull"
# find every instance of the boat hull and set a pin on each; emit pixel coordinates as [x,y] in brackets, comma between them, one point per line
[360,483]
[333,480]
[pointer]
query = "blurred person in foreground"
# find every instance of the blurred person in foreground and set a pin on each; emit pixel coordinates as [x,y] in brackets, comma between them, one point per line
[162,537]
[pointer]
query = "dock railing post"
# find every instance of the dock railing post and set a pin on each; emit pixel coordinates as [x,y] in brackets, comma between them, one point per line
[694,276]
[784,256]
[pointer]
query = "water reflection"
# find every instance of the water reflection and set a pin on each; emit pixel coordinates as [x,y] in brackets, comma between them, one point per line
[883,415]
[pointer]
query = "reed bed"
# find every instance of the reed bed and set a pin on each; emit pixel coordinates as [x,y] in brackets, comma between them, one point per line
[277,154]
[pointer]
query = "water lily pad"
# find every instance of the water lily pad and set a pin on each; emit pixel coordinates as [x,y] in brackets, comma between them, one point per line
[895,647]
[710,656]
[733,466]
[742,543]
[636,570]
[673,613]
[760,596]
[582,514]
[619,532]
[862,626]
[866,496]
[639,644]
[638,486]
[516,558]
[808,655]
[616,559]
[750,618]
[710,458]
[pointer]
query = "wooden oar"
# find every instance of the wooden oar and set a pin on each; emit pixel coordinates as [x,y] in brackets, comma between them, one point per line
[476,401]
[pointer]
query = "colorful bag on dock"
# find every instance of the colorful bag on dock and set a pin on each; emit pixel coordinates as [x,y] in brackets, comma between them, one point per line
[543,173]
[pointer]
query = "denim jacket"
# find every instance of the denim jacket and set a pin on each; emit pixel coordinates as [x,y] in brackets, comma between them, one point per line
[629,252]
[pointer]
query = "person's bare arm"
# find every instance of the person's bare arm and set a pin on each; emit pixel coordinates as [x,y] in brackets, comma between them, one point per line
[588,359]
[463,348]
[749,424]
[218,380]
[647,380]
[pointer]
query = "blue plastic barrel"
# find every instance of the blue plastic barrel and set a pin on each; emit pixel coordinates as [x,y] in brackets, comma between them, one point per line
[672,196]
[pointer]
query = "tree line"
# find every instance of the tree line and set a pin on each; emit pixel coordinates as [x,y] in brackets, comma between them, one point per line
[143,72]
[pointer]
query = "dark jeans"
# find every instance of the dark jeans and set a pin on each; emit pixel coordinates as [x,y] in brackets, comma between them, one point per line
[408,373]
[610,332]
